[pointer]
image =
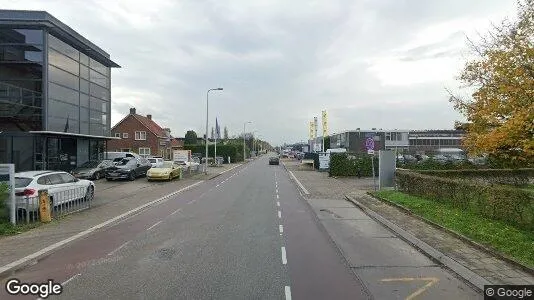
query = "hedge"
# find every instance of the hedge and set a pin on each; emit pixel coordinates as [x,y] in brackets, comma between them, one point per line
[431,164]
[234,151]
[508,204]
[347,164]
[4,213]
[516,177]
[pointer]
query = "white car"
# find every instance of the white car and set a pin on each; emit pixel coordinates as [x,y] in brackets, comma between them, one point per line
[155,161]
[62,188]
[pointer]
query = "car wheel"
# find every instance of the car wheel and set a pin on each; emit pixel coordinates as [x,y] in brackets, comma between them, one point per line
[131,176]
[90,194]
[97,175]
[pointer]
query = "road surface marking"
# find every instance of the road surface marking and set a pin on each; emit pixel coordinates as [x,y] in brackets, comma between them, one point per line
[59,244]
[174,212]
[288,292]
[217,186]
[192,201]
[300,184]
[119,248]
[278,203]
[68,280]
[281,227]
[277,197]
[431,282]
[277,190]
[284,257]
[156,224]
[279,214]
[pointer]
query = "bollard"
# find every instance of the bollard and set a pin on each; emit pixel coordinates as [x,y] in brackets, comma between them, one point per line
[44,206]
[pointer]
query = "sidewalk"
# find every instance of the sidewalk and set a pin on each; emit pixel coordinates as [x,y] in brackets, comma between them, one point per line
[111,200]
[482,263]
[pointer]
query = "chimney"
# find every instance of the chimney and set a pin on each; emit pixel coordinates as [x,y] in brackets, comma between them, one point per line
[132,111]
[149,117]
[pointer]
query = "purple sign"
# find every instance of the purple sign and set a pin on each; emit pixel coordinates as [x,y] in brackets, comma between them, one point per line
[369,143]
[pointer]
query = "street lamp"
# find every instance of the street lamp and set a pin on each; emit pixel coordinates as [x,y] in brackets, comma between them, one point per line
[207,102]
[244,153]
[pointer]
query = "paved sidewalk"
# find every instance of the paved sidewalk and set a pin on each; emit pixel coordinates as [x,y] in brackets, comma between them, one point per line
[111,199]
[484,264]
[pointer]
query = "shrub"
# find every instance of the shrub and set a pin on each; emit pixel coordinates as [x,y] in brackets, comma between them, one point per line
[346,164]
[4,213]
[508,204]
[516,177]
[234,151]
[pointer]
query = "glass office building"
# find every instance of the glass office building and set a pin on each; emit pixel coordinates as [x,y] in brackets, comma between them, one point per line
[55,97]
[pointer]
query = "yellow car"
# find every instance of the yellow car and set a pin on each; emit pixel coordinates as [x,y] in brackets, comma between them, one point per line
[166,171]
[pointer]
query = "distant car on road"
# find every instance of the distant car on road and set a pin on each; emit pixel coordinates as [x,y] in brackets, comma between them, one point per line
[62,188]
[274,161]
[128,168]
[168,170]
[93,170]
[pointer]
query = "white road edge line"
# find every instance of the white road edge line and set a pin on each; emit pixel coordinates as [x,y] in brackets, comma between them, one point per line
[68,280]
[192,201]
[284,257]
[54,246]
[300,184]
[279,214]
[156,224]
[281,228]
[288,292]
[174,212]
[277,203]
[119,248]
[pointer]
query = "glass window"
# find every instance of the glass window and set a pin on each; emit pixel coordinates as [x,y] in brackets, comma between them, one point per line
[84,100]
[62,93]
[100,68]
[96,129]
[84,127]
[98,104]
[66,177]
[84,72]
[98,78]
[104,119]
[62,47]
[59,60]
[95,117]
[55,179]
[125,135]
[99,92]
[44,180]
[117,134]
[84,59]
[22,53]
[140,135]
[63,110]
[84,114]
[84,86]
[388,136]
[144,151]
[59,76]
[22,36]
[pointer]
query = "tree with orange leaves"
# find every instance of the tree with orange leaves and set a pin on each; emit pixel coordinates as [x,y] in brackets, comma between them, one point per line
[500,113]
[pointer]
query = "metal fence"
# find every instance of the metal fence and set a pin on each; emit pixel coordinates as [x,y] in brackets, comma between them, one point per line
[61,203]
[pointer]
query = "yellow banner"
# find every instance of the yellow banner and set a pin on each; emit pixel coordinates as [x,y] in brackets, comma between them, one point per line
[325,123]
[311,130]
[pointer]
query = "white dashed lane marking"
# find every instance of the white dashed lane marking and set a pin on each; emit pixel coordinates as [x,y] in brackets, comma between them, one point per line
[284,257]
[281,228]
[279,214]
[156,224]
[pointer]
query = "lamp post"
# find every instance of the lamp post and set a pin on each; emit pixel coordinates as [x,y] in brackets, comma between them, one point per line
[244,145]
[207,103]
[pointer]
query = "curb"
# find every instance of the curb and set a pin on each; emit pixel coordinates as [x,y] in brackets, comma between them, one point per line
[469,276]
[460,236]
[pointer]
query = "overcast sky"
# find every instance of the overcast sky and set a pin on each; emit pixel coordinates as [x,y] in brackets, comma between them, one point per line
[369,63]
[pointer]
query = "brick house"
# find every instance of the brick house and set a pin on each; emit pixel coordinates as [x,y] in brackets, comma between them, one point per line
[140,134]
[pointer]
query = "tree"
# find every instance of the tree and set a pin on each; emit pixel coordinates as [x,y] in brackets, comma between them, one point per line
[225,133]
[500,113]
[190,138]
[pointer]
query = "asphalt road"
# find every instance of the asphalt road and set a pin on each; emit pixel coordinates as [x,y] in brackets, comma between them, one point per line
[246,234]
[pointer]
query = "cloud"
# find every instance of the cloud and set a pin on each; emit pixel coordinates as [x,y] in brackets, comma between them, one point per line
[371,63]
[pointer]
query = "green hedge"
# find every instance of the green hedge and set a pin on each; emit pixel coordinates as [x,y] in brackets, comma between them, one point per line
[431,164]
[4,213]
[234,151]
[516,177]
[347,164]
[508,204]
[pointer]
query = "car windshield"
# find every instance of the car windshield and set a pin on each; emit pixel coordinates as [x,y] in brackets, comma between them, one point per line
[124,162]
[21,182]
[165,165]
[90,164]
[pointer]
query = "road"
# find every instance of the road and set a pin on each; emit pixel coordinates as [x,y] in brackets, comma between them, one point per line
[247,234]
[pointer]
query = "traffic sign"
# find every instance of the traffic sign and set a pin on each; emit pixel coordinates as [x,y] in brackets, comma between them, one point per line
[372,152]
[370,143]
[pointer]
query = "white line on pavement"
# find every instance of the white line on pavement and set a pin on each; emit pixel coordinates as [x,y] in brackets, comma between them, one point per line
[192,201]
[179,209]
[277,197]
[59,244]
[300,184]
[277,203]
[217,185]
[284,257]
[288,293]
[277,190]
[279,214]
[156,224]
[281,228]
[68,280]
[119,248]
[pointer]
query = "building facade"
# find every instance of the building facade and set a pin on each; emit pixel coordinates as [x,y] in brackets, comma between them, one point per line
[55,97]
[140,134]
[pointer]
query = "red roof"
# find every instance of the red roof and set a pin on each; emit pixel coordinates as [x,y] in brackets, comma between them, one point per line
[177,143]
[151,125]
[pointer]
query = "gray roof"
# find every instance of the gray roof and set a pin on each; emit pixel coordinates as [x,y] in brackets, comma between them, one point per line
[34,19]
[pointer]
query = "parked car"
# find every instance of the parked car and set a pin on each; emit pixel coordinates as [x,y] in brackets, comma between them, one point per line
[155,161]
[168,170]
[274,160]
[128,168]
[62,188]
[93,170]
